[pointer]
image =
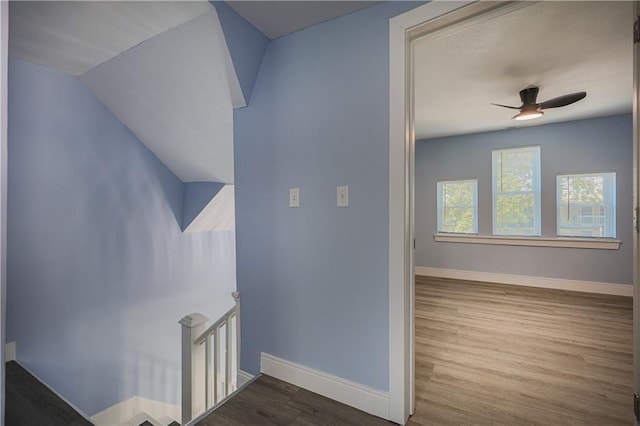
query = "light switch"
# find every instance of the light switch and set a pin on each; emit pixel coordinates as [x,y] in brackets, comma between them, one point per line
[343,196]
[294,197]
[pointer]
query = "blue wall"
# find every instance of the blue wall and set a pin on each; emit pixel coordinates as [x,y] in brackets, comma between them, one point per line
[195,197]
[99,272]
[603,144]
[246,45]
[314,279]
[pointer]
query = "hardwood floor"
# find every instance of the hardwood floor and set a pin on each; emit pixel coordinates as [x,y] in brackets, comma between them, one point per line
[30,403]
[490,354]
[269,401]
[487,354]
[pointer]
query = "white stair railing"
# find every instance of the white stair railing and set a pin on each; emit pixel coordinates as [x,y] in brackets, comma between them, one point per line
[210,360]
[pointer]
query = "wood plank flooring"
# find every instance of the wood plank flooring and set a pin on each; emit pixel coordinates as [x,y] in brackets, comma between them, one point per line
[268,401]
[487,354]
[490,354]
[30,403]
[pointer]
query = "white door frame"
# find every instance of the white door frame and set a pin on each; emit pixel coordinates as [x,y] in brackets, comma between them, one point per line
[403,30]
[4,57]
[636,199]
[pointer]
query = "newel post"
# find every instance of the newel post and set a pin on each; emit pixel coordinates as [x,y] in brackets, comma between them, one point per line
[193,367]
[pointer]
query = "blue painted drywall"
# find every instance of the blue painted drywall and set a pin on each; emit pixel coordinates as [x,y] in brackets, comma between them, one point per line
[246,44]
[314,279]
[99,272]
[196,196]
[603,144]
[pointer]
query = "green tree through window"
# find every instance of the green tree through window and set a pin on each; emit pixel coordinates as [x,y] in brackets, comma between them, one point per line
[457,206]
[587,205]
[516,191]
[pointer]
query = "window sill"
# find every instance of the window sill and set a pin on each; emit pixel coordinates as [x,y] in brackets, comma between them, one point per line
[566,242]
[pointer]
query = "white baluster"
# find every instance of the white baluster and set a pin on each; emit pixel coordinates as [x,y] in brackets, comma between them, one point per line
[197,392]
[207,373]
[236,298]
[216,363]
[227,362]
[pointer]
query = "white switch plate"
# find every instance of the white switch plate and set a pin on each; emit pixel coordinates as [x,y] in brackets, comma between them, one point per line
[294,197]
[342,194]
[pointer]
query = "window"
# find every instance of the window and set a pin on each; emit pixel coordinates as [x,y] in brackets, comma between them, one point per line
[587,205]
[458,206]
[516,191]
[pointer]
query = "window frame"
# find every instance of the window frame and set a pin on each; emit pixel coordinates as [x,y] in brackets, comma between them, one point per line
[439,205]
[612,220]
[537,190]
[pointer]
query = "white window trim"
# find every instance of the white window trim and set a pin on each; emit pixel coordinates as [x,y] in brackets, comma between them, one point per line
[564,242]
[613,218]
[537,189]
[439,206]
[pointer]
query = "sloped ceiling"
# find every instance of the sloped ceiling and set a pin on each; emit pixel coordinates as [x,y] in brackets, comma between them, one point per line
[562,47]
[76,36]
[173,91]
[163,68]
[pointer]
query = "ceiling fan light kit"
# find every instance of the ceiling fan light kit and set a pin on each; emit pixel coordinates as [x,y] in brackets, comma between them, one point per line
[530,109]
[527,115]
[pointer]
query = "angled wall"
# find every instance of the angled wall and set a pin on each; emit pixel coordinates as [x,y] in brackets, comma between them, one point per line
[176,92]
[196,196]
[99,271]
[217,215]
[246,45]
[314,279]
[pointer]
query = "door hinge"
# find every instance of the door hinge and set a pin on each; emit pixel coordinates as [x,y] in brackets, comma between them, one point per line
[636,406]
[636,219]
[414,243]
[636,31]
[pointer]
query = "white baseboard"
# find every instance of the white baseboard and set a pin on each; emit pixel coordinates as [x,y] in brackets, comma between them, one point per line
[362,397]
[10,352]
[244,377]
[523,280]
[135,408]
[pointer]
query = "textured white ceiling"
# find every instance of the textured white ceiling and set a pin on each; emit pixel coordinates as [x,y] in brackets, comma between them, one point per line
[174,91]
[562,47]
[76,36]
[277,18]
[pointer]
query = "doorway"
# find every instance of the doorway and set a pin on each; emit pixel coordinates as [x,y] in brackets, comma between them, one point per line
[404,30]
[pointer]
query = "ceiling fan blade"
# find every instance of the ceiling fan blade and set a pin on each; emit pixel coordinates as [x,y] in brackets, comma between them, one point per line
[561,101]
[506,106]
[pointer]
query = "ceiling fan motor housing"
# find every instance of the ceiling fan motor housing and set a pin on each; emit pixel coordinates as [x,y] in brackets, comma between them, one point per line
[529,97]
